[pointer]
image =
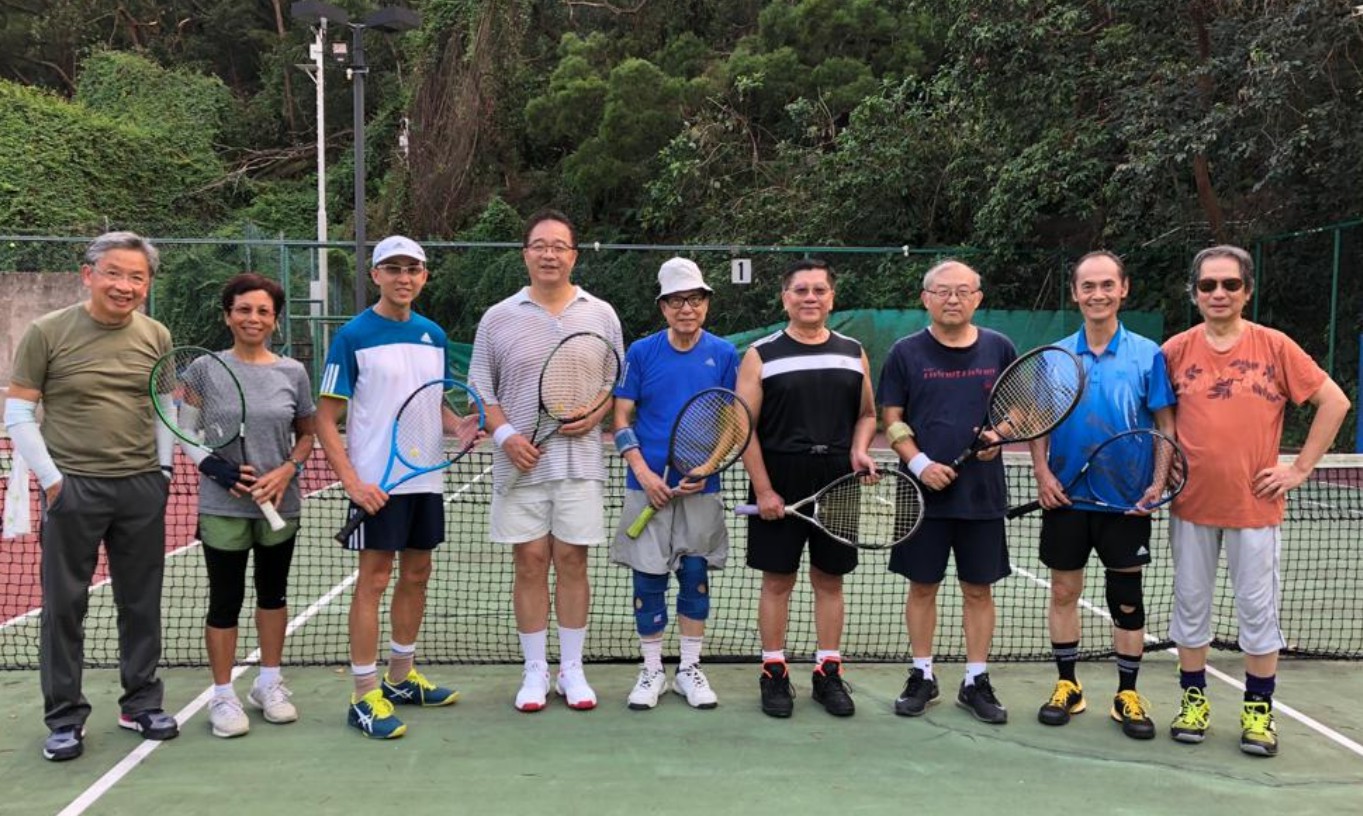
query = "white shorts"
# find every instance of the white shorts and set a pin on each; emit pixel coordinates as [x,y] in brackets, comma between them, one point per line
[573,510]
[1253,561]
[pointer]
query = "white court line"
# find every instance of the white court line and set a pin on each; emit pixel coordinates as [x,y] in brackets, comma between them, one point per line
[1306,720]
[487,470]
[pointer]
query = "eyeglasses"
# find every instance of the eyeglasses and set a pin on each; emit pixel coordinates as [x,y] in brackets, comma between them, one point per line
[695,301]
[118,276]
[401,269]
[1208,285]
[806,291]
[543,248]
[960,293]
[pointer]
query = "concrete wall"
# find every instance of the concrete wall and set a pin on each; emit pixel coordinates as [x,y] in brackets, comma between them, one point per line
[25,296]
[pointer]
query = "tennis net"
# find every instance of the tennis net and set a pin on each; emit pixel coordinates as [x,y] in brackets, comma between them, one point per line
[469,615]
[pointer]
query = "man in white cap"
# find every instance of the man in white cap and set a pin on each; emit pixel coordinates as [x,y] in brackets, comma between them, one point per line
[688,535]
[375,361]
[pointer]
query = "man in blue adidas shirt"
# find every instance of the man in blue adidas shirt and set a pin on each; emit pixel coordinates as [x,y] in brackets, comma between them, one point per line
[688,536]
[375,361]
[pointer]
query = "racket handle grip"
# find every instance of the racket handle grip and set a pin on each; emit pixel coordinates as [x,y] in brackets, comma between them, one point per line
[637,528]
[351,526]
[964,457]
[277,522]
[1024,509]
[745,510]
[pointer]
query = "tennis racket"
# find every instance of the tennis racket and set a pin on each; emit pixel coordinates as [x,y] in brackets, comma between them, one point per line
[1134,470]
[435,427]
[868,516]
[578,377]
[205,405]
[709,435]
[1032,396]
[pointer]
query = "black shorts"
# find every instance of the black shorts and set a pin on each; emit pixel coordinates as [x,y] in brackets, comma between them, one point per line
[1068,536]
[777,546]
[980,545]
[409,521]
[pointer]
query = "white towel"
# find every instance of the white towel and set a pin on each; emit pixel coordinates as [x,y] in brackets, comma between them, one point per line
[18,521]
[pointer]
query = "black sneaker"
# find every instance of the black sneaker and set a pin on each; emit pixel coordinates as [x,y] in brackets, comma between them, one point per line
[1133,712]
[778,699]
[917,693]
[152,724]
[830,691]
[980,701]
[1067,699]
[66,742]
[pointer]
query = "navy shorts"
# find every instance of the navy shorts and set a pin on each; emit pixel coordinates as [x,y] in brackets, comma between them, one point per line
[1068,536]
[777,546]
[980,545]
[409,521]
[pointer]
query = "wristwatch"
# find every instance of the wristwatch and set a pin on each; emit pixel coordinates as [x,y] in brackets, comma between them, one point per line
[297,466]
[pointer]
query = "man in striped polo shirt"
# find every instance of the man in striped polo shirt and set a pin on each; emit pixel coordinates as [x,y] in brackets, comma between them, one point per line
[810,389]
[554,511]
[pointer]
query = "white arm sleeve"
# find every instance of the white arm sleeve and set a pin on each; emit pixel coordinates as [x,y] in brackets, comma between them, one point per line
[165,440]
[22,423]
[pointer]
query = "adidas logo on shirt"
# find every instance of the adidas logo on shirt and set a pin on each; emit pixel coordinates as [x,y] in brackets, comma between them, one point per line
[710,361]
[425,337]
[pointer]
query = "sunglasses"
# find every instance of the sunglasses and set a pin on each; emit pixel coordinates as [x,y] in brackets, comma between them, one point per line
[1208,285]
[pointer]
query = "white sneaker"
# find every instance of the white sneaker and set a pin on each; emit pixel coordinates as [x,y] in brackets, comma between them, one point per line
[692,684]
[572,685]
[273,699]
[227,718]
[647,689]
[534,693]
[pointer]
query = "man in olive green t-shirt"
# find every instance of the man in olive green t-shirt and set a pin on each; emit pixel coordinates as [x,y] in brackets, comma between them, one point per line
[104,464]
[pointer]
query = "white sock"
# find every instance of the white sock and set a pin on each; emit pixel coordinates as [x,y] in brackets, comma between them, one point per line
[269,675]
[653,653]
[224,691]
[534,645]
[821,655]
[973,670]
[690,651]
[924,664]
[777,656]
[570,642]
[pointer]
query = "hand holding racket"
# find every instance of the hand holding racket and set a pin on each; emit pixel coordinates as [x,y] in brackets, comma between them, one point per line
[578,377]
[435,427]
[860,510]
[1029,399]
[1134,471]
[709,435]
[200,400]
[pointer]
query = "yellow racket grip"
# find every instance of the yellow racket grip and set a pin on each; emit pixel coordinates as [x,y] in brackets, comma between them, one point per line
[637,528]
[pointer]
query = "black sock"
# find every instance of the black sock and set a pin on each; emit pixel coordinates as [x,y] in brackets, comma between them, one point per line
[1066,655]
[1128,666]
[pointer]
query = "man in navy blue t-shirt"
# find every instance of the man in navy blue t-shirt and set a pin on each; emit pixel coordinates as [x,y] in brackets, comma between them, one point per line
[934,388]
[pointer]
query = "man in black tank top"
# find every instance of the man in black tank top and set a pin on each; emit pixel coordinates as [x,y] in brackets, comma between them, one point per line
[810,389]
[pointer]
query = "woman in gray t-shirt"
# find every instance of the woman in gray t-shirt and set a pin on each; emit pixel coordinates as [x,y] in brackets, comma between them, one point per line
[279,436]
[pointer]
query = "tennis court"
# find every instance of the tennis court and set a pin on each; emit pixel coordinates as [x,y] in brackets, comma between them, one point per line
[671,759]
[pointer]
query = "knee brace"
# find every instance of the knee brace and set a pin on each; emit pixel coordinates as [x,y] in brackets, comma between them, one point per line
[693,594]
[650,603]
[1124,589]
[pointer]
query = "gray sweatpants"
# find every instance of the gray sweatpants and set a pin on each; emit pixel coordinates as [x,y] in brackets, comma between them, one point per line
[128,514]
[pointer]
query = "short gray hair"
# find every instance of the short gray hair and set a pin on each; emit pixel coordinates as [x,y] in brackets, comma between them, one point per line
[122,240]
[947,264]
[1235,253]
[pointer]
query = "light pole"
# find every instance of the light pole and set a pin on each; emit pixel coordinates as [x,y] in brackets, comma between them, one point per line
[321,14]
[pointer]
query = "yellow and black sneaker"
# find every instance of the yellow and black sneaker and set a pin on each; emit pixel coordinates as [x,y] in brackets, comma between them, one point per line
[1067,699]
[1194,717]
[1257,734]
[1133,712]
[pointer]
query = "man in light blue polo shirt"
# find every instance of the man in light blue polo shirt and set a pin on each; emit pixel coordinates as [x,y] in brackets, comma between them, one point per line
[1127,388]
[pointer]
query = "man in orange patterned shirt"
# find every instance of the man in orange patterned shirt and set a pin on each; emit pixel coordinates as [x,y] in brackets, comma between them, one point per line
[1234,379]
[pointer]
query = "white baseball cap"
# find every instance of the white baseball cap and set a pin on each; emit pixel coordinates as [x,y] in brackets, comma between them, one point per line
[397,245]
[679,275]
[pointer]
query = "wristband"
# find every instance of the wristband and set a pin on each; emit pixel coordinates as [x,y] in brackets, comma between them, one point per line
[897,432]
[919,463]
[500,435]
[625,440]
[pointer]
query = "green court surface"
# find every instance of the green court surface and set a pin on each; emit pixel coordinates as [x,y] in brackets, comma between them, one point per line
[482,756]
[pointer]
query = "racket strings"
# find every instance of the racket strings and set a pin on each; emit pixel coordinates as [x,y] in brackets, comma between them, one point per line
[870,515]
[421,427]
[578,377]
[709,435]
[209,406]
[1035,394]
[1136,468]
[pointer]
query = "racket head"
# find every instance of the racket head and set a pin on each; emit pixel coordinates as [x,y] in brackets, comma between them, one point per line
[1124,468]
[872,516]
[710,433]
[206,406]
[1035,394]
[578,376]
[437,424]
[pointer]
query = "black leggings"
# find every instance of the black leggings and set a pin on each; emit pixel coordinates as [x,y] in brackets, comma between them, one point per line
[227,580]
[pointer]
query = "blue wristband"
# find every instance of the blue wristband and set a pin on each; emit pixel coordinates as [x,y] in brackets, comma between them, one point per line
[625,440]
